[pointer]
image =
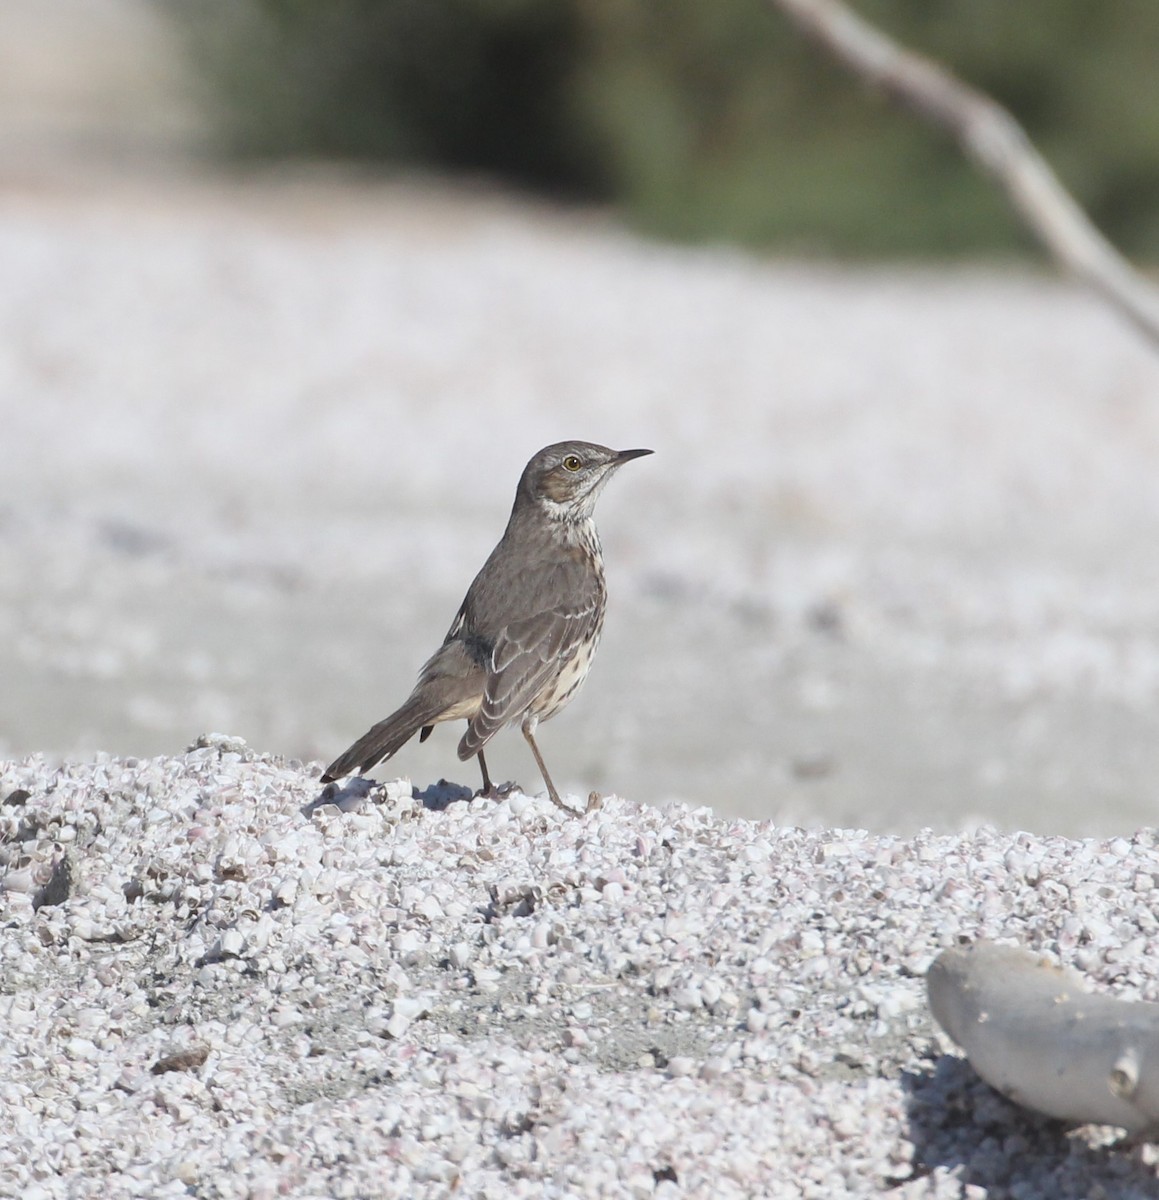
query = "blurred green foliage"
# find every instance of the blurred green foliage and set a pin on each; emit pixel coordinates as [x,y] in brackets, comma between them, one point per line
[702,119]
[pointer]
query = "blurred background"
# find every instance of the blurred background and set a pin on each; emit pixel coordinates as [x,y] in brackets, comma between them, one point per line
[291,289]
[696,122]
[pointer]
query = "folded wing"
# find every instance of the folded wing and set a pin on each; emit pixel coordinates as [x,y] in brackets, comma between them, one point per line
[527,657]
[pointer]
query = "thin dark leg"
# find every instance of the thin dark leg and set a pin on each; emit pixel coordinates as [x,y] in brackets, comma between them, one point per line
[491,790]
[529,735]
[488,786]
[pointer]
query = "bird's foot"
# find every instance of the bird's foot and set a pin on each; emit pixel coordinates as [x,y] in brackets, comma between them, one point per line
[567,808]
[498,791]
[501,791]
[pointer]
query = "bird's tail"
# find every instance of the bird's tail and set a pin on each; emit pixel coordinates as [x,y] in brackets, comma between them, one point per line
[386,738]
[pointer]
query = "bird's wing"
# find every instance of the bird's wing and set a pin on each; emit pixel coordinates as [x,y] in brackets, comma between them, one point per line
[526,655]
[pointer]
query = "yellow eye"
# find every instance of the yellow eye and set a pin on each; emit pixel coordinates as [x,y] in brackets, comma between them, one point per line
[572,463]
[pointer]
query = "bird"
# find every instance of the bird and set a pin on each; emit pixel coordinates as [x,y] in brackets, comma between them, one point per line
[524,637]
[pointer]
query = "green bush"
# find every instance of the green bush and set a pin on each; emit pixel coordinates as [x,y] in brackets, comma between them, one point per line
[702,119]
[475,84]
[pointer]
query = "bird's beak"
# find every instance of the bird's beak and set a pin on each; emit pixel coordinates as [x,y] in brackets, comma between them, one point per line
[627,455]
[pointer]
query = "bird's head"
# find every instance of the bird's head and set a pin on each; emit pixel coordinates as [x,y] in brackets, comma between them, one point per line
[564,479]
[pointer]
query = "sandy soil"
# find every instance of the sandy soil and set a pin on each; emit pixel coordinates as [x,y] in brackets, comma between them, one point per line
[218,979]
[892,565]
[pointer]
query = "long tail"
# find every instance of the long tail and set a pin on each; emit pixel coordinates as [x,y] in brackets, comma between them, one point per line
[386,738]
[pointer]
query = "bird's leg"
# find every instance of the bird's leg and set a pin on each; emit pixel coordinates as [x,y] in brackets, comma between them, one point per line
[489,789]
[528,727]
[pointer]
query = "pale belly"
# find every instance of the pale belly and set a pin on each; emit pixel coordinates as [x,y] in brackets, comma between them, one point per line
[566,683]
[464,709]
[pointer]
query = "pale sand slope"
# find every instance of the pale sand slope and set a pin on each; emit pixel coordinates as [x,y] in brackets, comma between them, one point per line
[213,985]
[892,565]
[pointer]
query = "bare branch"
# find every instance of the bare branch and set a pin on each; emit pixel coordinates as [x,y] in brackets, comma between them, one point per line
[994,140]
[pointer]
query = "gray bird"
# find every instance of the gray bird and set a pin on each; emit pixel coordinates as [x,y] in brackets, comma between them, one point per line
[523,640]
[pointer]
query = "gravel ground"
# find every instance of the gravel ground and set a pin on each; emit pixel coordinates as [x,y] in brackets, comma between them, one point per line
[218,979]
[891,566]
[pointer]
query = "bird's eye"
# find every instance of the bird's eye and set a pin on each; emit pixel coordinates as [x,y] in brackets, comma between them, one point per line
[573,462]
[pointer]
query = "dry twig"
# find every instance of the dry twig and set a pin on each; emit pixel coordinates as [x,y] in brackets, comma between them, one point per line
[994,140]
